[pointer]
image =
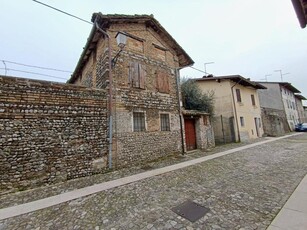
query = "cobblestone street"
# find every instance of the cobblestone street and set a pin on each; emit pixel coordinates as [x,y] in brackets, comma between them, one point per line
[243,190]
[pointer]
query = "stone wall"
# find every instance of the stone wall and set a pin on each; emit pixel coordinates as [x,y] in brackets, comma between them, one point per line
[49,132]
[204,133]
[224,130]
[274,122]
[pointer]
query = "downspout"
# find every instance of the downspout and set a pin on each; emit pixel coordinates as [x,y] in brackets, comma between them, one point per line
[235,109]
[110,120]
[177,75]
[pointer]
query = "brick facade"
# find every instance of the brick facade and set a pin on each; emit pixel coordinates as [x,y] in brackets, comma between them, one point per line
[50,132]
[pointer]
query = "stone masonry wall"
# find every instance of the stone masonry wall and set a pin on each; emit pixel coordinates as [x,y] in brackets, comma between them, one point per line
[138,147]
[204,133]
[142,47]
[274,122]
[49,132]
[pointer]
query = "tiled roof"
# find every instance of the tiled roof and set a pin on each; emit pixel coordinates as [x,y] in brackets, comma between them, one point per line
[235,78]
[105,20]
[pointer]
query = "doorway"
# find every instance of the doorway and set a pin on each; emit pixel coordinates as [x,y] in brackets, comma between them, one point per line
[190,134]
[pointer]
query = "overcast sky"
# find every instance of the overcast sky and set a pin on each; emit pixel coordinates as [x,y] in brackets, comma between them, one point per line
[247,37]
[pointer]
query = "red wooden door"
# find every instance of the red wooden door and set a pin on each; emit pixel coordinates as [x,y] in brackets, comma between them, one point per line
[190,134]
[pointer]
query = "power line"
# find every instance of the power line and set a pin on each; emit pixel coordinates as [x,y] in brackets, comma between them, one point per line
[71,15]
[41,74]
[33,66]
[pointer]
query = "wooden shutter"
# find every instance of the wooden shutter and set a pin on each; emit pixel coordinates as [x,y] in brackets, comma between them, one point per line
[253,100]
[134,74]
[142,75]
[238,95]
[137,75]
[163,82]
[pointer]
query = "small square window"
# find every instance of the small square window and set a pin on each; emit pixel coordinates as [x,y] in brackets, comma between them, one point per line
[138,121]
[164,120]
[242,121]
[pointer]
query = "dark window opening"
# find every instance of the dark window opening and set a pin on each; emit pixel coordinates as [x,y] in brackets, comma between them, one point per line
[238,93]
[164,119]
[253,100]
[242,121]
[138,121]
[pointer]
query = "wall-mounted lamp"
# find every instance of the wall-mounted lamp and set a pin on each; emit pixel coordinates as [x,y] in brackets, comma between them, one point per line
[121,39]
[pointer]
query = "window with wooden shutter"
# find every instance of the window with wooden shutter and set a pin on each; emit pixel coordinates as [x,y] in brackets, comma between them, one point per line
[238,95]
[137,75]
[253,100]
[163,82]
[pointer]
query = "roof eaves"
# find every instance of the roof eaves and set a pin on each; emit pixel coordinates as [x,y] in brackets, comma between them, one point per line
[238,79]
[299,10]
[300,97]
[290,87]
[74,76]
[185,61]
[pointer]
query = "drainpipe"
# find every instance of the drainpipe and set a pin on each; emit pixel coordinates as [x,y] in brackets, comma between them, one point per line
[179,108]
[235,109]
[110,120]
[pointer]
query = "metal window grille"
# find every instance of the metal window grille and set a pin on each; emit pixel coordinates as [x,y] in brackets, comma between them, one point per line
[138,121]
[164,119]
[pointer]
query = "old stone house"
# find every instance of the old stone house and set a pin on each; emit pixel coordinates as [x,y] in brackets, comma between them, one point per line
[237,109]
[145,105]
[278,105]
[122,107]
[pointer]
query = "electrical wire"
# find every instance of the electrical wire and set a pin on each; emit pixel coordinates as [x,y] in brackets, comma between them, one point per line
[41,74]
[33,66]
[71,15]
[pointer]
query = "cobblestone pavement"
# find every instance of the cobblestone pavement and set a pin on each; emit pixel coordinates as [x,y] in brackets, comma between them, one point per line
[243,190]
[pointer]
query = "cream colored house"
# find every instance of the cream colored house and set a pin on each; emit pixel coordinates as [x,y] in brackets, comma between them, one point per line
[237,109]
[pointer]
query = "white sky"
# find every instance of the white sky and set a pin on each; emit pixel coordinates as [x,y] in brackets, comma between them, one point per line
[247,37]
